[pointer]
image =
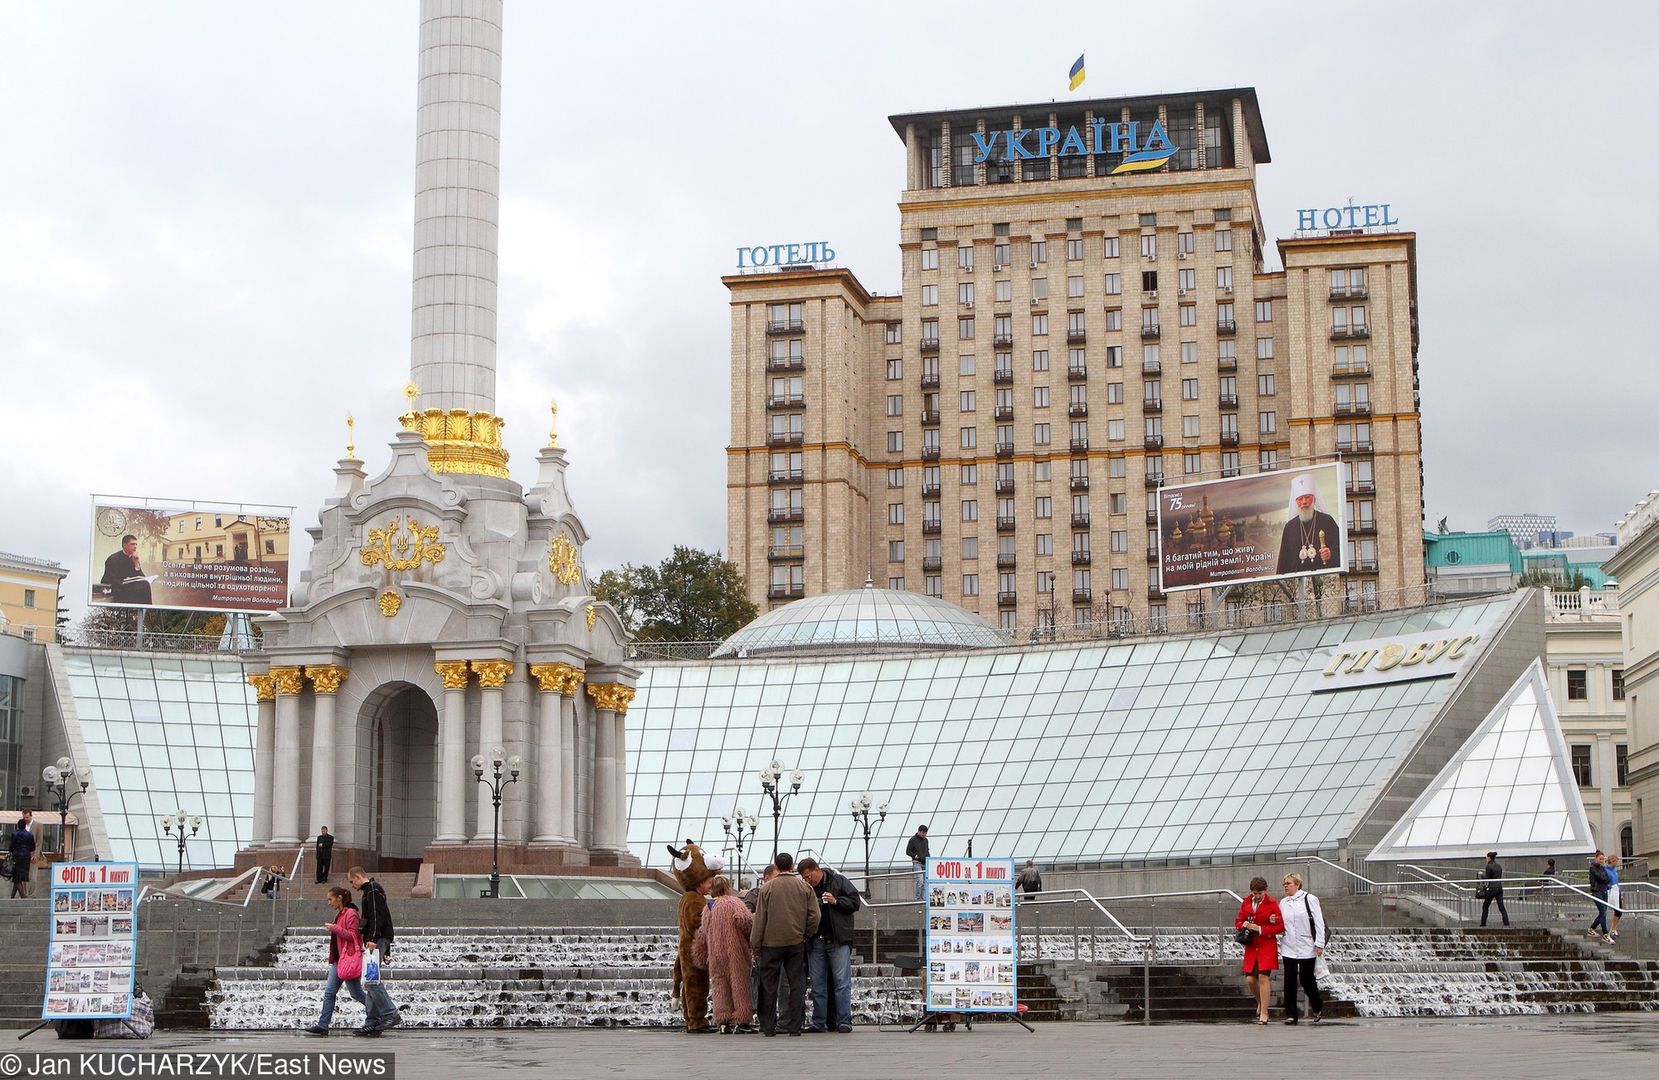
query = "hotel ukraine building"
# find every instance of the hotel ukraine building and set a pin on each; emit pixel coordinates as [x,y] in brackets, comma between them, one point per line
[1069,338]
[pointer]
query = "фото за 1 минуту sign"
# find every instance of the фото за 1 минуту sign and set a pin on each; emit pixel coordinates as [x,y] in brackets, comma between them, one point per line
[972,941]
[91,954]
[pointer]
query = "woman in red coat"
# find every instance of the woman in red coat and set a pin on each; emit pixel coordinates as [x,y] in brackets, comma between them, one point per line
[1259,914]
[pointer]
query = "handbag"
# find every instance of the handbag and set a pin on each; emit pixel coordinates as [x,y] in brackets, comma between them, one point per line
[1243,936]
[6,867]
[350,965]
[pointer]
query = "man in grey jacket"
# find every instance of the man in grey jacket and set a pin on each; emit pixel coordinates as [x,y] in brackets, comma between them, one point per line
[785,916]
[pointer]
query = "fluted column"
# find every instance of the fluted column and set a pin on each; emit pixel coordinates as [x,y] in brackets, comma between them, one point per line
[452,754]
[567,757]
[325,681]
[264,755]
[492,679]
[285,795]
[556,682]
[609,797]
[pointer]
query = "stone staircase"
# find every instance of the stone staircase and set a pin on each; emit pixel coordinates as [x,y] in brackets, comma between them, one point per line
[447,977]
[24,930]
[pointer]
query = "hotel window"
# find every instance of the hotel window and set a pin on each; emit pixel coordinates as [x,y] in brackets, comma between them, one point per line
[930,333]
[1264,384]
[1353,396]
[1227,349]
[1267,460]
[1079,509]
[1192,464]
[1184,243]
[1154,427]
[999,228]
[1120,541]
[1039,360]
[1581,764]
[788,577]
[1267,423]
[1045,580]
[931,582]
[1045,506]
[1109,247]
[1114,321]
[1189,352]
[969,474]
[1114,393]
[895,584]
[895,477]
[1118,502]
[1114,284]
[1149,318]
[1152,393]
[781,317]
[1039,288]
[1039,397]
[965,329]
[895,369]
[1079,394]
[1002,329]
[970,437]
[970,509]
[1005,435]
[965,364]
[966,401]
[930,513]
[1348,282]
[1077,360]
[1189,427]
[1621,778]
[970,547]
[1229,387]
[1618,680]
[1188,315]
[1074,285]
[786,390]
[786,351]
[1224,278]
[895,404]
[1039,251]
[1045,543]
[1039,325]
[930,258]
[1361,516]
[1120,578]
[1189,389]
[895,551]
[999,255]
[930,368]
[1264,311]
[1074,322]
[1264,348]
[1117,468]
[1004,290]
[1148,220]
[965,257]
[1342,318]
[1353,358]
[895,513]
[1080,580]
[1358,472]
[1114,431]
[1224,239]
[1149,245]
[787,424]
[895,442]
[1114,356]
[930,234]
[1186,280]
[1149,281]
[1224,314]
[1578,684]
[1074,249]
[1042,470]
[965,293]
[1229,458]
[935,158]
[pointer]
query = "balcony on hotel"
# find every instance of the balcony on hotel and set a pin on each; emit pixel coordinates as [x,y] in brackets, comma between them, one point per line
[930,380]
[1351,370]
[1080,483]
[1227,363]
[1226,327]
[1002,376]
[784,515]
[1007,562]
[784,326]
[932,564]
[785,438]
[786,592]
[1154,480]
[1005,487]
[1077,373]
[1350,331]
[1006,524]
[930,453]
[786,554]
[1077,337]
[1081,596]
[1005,449]
[786,363]
[785,476]
[1352,408]
[1007,599]
[1151,331]
[1080,446]
[1081,558]
[1004,412]
[785,401]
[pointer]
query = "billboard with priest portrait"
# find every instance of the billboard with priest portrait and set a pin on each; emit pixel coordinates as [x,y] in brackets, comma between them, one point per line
[1251,528]
[200,556]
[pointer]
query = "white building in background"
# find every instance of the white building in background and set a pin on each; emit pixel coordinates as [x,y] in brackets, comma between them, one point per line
[1527,529]
[1636,566]
[1584,654]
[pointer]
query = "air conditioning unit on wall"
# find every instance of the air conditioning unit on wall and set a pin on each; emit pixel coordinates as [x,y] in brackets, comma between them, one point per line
[27,791]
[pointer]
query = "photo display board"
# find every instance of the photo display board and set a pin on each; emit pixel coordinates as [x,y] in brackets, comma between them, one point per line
[92,956]
[973,943]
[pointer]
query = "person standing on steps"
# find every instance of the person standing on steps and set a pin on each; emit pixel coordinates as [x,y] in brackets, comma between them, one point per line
[1301,947]
[1600,882]
[916,850]
[325,854]
[1259,916]
[21,851]
[1491,888]
[1029,880]
[376,931]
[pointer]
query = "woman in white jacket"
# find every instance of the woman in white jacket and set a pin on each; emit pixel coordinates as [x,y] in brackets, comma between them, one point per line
[1302,944]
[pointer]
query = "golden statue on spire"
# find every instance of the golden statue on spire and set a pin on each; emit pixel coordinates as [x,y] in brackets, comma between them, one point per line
[351,436]
[553,426]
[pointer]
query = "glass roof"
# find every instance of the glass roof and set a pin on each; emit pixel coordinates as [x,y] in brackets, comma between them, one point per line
[1201,747]
[1509,788]
[867,618]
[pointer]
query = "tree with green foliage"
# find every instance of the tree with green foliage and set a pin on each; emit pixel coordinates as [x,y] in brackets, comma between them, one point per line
[690,596]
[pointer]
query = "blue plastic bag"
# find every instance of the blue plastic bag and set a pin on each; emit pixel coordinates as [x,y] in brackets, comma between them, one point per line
[371,965]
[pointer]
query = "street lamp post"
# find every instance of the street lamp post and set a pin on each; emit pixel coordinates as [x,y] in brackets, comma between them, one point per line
[744,832]
[180,819]
[771,787]
[497,784]
[861,817]
[60,779]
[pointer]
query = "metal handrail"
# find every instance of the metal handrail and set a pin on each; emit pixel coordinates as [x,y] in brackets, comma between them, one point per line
[1337,867]
[1085,894]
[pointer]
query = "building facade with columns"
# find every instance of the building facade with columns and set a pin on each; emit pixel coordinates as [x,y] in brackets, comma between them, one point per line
[1636,566]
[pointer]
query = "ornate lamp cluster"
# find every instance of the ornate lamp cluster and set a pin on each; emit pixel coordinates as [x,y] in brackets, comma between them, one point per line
[771,787]
[176,822]
[497,784]
[60,780]
[860,808]
[740,830]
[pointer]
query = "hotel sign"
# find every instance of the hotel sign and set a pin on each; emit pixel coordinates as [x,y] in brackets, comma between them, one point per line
[1098,137]
[813,251]
[1367,216]
[1379,661]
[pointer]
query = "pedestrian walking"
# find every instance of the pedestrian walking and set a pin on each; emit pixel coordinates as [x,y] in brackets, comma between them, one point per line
[1029,880]
[1259,917]
[785,916]
[1600,882]
[1549,869]
[722,949]
[916,850]
[1614,905]
[20,852]
[345,957]
[1491,888]
[829,952]
[1301,946]
[325,854]
[376,931]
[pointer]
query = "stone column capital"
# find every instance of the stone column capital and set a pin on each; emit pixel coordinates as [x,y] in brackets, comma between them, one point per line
[264,685]
[325,678]
[454,673]
[288,680]
[557,678]
[611,696]
[492,674]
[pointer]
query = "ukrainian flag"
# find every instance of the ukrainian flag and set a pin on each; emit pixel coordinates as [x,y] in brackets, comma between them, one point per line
[1077,73]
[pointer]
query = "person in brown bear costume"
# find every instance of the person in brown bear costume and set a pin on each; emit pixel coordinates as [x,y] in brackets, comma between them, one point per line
[691,983]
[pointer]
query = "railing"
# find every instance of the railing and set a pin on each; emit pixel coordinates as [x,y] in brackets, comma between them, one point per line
[148,641]
[1584,603]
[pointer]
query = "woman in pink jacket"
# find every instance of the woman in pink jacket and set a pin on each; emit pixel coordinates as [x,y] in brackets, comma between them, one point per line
[345,957]
[722,949]
[1259,914]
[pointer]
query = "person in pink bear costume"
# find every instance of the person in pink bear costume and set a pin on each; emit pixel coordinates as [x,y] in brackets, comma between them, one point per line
[722,949]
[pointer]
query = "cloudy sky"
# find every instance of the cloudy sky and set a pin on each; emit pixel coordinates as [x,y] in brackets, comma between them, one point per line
[205,219]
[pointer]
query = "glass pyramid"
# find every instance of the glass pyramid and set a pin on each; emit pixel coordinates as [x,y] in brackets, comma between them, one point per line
[1509,788]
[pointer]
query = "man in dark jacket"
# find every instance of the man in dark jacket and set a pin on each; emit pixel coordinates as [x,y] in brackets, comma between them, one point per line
[785,917]
[124,581]
[1491,888]
[376,930]
[1601,882]
[21,850]
[1030,880]
[325,853]
[829,952]
[917,852]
